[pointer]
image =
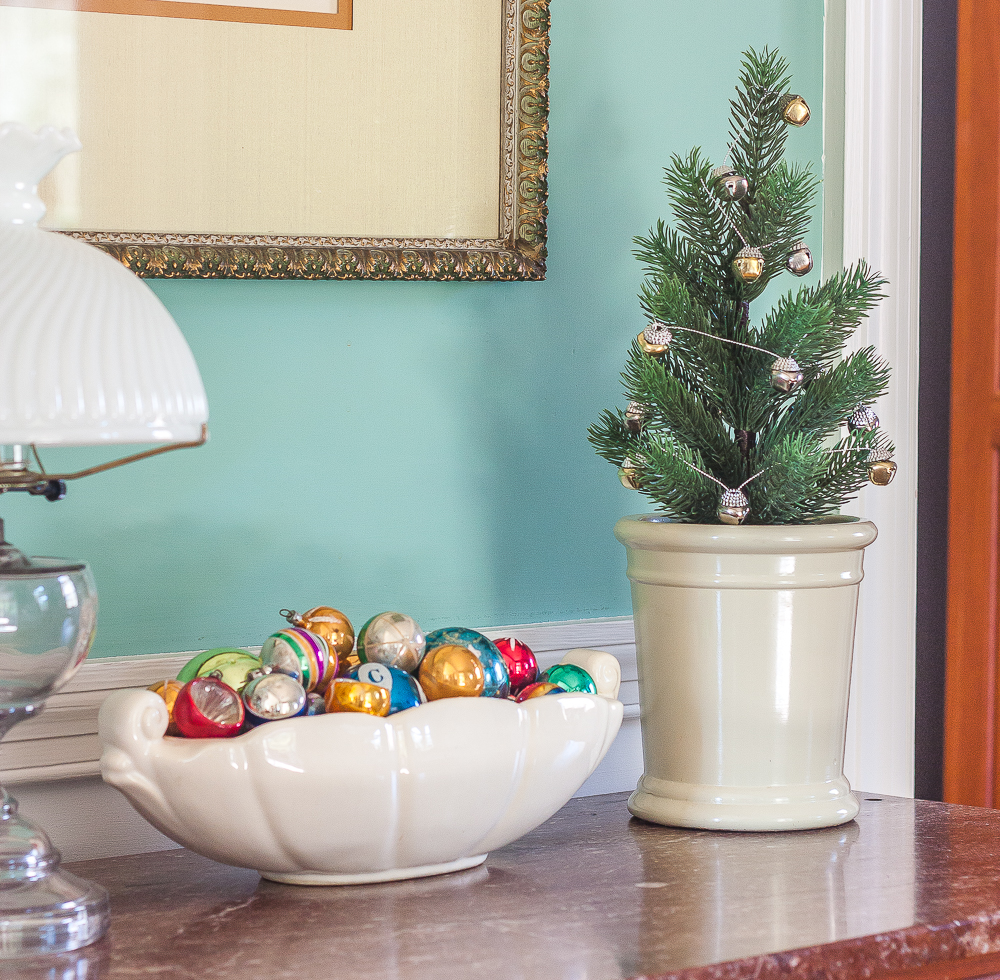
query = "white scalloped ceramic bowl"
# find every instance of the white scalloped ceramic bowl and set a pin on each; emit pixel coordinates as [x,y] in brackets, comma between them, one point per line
[348,798]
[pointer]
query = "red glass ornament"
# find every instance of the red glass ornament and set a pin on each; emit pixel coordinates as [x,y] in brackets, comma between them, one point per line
[520,661]
[207,708]
[539,690]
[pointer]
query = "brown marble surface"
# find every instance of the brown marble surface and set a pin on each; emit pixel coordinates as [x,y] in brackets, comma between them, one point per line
[590,895]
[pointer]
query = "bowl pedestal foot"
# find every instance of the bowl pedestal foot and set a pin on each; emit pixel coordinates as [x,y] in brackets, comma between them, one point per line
[372,877]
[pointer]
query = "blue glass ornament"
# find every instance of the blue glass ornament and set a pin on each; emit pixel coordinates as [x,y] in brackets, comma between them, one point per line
[494,667]
[403,689]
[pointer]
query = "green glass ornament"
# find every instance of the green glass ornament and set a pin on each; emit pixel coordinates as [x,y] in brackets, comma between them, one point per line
[570,678]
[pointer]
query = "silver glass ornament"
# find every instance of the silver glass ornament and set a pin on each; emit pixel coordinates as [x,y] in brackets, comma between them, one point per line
[272,697]
[786,374]
[862,419]
[800,260]
[733,507]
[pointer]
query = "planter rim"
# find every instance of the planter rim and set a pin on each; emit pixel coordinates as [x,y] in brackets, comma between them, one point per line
[653,532]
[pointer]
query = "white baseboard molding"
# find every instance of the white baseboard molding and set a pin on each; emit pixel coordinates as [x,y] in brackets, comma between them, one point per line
[62,743]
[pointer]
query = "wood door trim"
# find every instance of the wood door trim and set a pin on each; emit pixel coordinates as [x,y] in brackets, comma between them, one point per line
[970,763]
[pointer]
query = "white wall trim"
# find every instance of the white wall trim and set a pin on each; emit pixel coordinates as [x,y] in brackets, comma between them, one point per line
[62,743]
[881,223]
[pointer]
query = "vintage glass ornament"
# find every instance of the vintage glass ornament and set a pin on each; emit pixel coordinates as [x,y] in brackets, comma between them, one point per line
[451,671]
[404,692]
[207,708]
[881,471]
[799,261]
[749,264]
[655,338]
[190,670]
[538,690]
[794,110]
[786,373]
[733,507]
[168,690]
[315,705]
[300,654]
[496,682]
[273,697]
[570,678]
[345,695]
[628,474]
[231,667]
[635,417]
[393,639]
[522,667]
[347,664]
[729,183]
[862,419]
[327,622]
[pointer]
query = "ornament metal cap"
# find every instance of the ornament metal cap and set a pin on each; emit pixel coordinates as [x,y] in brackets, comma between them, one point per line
[724,171]
[794,110]
[800,260]
[862,419]
[749,263]
[733,507]
[786,374]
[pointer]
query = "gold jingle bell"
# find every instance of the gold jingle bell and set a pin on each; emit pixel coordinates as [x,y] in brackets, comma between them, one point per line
[655,339]
[862,419]
[327,622]
[733,507]
[881,471]
[800,260]
[628,474]
[786,374]
[749,264]
[729,183]
[451,671]
[357,696]
[794,110]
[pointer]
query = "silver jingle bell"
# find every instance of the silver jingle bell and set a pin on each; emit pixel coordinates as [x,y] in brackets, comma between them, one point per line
[862,419]
[800,260]
[635,416]
[786,374]
[733,507]
[729,183]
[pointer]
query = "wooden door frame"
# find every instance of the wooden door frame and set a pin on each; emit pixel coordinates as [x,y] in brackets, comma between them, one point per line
[970,765]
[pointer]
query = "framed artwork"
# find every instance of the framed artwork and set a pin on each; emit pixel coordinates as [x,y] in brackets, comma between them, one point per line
[292,138]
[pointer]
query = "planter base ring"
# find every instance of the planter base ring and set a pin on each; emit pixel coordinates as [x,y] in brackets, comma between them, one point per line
[753,808]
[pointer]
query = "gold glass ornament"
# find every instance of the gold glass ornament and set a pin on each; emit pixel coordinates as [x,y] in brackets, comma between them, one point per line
[794,110]
[881,472]
[786,374]
[749,264]
[327,622]
[800,260]
[628,474]
[451,671]
[729,183]
[655,339]
[348,695]
[733,507]
[168,690]
[347,664]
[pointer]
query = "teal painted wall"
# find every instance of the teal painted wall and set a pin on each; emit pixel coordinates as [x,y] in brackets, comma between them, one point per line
[422,446]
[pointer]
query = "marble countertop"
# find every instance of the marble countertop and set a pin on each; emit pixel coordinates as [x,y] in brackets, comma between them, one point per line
[590,895]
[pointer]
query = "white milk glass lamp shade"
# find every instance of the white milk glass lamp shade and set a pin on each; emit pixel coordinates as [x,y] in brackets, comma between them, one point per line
[88,353]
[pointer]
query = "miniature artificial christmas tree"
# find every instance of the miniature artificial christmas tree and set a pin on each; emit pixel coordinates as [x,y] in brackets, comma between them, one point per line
[731,420]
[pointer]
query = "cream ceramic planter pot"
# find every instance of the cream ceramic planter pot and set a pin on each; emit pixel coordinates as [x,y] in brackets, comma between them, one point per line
[744,638]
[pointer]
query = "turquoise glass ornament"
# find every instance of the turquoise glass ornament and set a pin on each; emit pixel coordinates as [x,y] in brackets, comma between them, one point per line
[497,677]
[570,678]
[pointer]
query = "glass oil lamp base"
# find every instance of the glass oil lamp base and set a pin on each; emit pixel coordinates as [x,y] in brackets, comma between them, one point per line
[43,910]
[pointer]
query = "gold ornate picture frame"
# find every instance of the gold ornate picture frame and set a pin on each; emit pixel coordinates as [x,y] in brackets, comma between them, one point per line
[508,229]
